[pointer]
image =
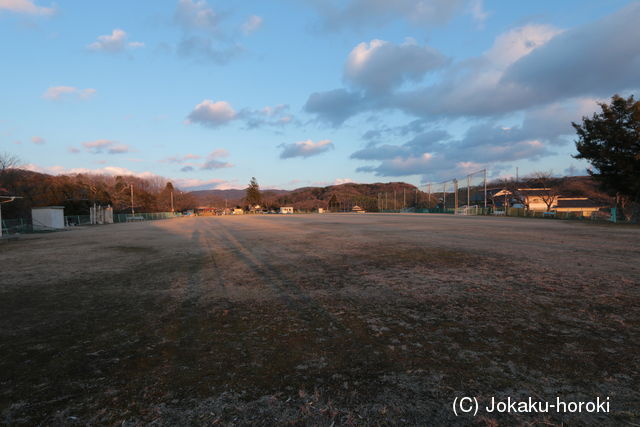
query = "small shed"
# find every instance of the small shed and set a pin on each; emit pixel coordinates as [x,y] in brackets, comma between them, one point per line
[47,218]
[286,210]
[238,211]
[357,209]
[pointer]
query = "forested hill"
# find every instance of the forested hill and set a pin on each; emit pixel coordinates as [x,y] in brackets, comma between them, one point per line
[307,198]
[77,192]
[393,195]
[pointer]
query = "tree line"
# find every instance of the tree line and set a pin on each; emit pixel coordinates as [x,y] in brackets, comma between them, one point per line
[78,192]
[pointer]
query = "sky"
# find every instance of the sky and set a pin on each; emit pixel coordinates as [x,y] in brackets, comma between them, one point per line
[308,92]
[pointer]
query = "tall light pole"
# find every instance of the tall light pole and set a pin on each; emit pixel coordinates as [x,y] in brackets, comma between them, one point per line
[485,191]
[172,202]
[444,196]
[455,198]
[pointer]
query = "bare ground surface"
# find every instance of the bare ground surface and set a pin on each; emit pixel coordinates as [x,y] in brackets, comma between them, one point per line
[318,319]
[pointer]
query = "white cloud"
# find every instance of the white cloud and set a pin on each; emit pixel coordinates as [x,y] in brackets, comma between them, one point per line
[340,181]
[196,15]
[517,43]
[252,24]
[276,116]
[471,87]
[182,159]
[270,111]
[104,145]
[38,140]
[379,65]
[59,92]
[114,42]
[537,65]
[203,38]
[25,6]
[107,170]
[190,184]
[305,149]
[212,161]
[597,59]
[476,9]
[212,114]
[193,184]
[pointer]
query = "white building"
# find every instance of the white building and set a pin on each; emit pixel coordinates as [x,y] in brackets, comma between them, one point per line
[286,210]
[47,218]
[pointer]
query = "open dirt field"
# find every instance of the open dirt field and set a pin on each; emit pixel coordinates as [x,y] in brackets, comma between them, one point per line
[318,319]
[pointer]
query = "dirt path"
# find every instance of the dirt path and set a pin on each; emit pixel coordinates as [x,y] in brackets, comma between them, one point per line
[317,319]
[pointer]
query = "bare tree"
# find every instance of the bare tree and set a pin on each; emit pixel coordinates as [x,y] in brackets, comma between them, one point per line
[547,186]
[8,161]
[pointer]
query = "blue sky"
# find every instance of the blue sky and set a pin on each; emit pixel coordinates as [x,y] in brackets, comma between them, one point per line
[308,92]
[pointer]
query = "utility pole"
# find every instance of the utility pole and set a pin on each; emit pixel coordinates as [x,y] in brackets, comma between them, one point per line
[429,199]
[404,198]
[485,191]
[133,212]
[468,190]
[444,196]
[172,210]
[455,197]
[416,205]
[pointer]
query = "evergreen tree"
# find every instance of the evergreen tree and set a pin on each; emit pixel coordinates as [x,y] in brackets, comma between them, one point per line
[253,196]
[610,141]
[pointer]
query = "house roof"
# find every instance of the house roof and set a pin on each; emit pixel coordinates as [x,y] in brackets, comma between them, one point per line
[579,202]
[526,192]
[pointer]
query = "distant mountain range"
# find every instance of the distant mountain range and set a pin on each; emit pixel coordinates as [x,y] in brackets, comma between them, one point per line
[343,196]
[391,195]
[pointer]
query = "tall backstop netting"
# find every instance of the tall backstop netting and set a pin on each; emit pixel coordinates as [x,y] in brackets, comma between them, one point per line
[465,195]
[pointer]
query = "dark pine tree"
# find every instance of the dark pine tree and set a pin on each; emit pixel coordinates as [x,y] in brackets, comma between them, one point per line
[610,141]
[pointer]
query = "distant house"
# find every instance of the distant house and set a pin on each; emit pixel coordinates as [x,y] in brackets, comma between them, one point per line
[286,210]
[582,205]
[205,210]
[238,211]
[357,209]
[320,210]
[535,199]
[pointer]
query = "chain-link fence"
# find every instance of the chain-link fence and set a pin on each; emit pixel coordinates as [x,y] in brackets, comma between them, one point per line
[22,225]
[145,216]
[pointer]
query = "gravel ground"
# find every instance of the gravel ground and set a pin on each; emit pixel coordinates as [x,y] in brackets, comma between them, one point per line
[319,319]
